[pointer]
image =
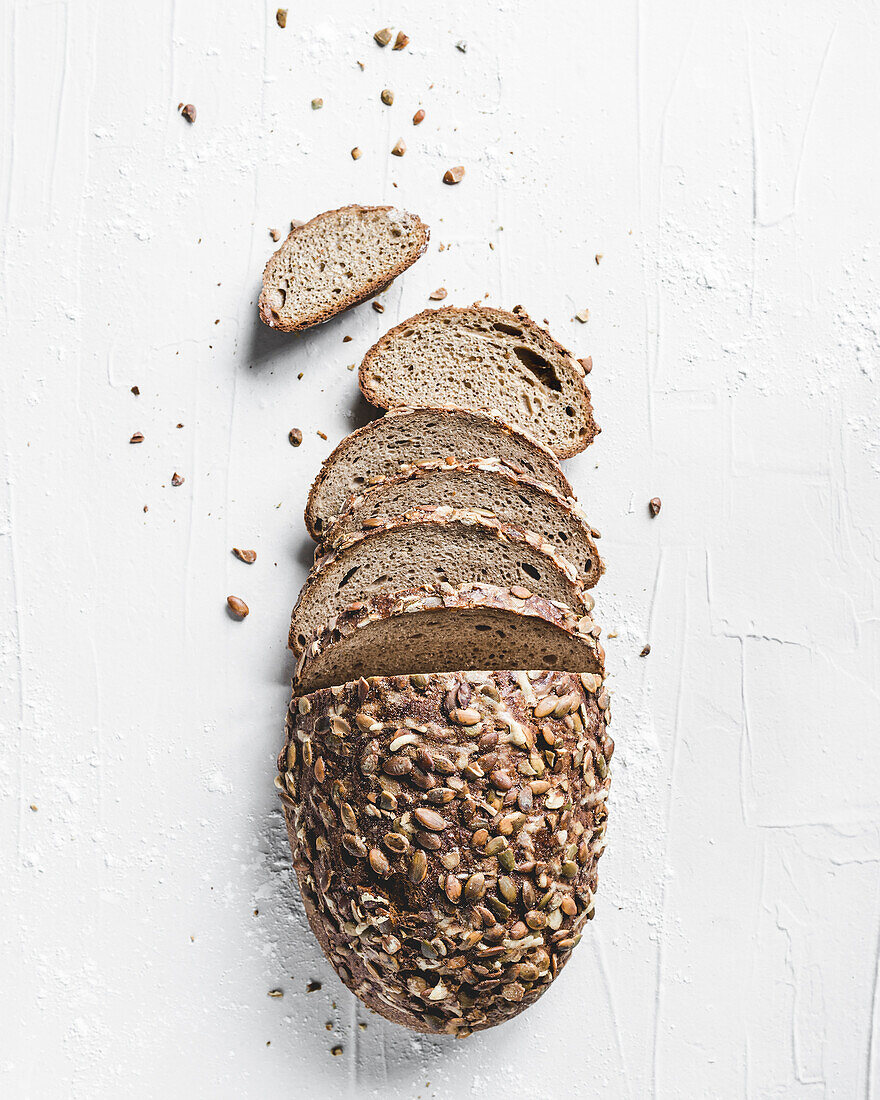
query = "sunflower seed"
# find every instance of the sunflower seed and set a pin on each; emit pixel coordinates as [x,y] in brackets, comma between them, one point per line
[378,862]
[475,887]
[452,888]
[397,765]
[418,867]
[465,716]
[430,819]
[396,843]
[354,845]
[546,706]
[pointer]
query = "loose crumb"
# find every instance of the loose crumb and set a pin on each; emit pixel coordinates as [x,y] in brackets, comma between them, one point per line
[313,987]
[295,437]
[249,556]
[399,148]
[401,41]
[438,295]
[356,154]
[276,992]
[274,234]
[317,104]
[454,175]
[336,1051]
[383,37]
[323,435]
[281,17]
[138,437]
[655,504]
[387,96]
[189,113]
[599,258]
[135,391]
[646,649]
[583,316]
[177,479]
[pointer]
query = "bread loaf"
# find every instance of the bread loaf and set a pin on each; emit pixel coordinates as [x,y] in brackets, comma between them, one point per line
[445,831]
[475,626]
[403,438]
[488,360]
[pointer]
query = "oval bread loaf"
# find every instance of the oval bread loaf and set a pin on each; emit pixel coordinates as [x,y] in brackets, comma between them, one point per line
[445,831]
[475,626]
[403,438]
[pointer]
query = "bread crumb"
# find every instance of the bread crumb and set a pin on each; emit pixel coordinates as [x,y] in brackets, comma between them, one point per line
[281,17]
[401,41]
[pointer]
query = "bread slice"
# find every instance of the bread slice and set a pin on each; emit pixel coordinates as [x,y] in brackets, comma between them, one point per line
[336,260]
[446,831]
[438,628]
[405,437]
[429,546]
[489,360]
[487,486]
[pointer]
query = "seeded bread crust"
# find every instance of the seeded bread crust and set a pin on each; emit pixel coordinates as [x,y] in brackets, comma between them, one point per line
[364,447]
[305,622]
[446,830]
[574,393]
[276,269]
[409,609]
[436,480]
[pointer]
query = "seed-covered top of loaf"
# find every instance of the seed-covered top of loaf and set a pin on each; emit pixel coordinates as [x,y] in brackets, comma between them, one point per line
[336,260]
[489,360]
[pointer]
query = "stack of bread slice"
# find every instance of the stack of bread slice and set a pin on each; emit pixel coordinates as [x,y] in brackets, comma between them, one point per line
[446,765]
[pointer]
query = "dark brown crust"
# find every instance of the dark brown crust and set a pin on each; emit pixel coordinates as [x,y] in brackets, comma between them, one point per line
[496,799]
[568,507]
[442,514]
[518,602]
[340,450]
[368,290]
[519,317]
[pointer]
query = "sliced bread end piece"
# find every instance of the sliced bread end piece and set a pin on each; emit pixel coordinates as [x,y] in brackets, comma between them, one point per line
[439,628]
[403,438]
[488,360]
[336,260]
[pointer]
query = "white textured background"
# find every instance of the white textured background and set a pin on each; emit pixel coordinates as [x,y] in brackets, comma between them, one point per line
[723,157]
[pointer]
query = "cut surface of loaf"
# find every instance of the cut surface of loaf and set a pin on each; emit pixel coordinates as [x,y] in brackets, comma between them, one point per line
[489,360]
[483,485]
[336,260]
[403,437]
[446,831]
[442,629]
[429,546]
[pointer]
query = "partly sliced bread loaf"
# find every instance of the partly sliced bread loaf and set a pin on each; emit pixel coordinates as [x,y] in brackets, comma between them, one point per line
[488,360]
[487,486]
[429,546]
[446,831]
[403,438]
[440,629]
[336,260]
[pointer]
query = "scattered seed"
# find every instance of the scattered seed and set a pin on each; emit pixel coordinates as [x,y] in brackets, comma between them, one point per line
[399,148]
[281,17]
[454,175]
[249,556]
[274,234]
[387,97]
[397,765]
[465,716]
[401,41]
[336,1051]
[479,838]
[138,437]
[317,104]
[378,307]
[383,37]
[295,436]
[135,391]
[418,117]
[356,153]
[587,364]
[238,606]
[583,316]
[189,113]
[396,843]
[438,295]
[176,479]
[655,505]
[646,649]
[276,992]
[323,435]
[452,888]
